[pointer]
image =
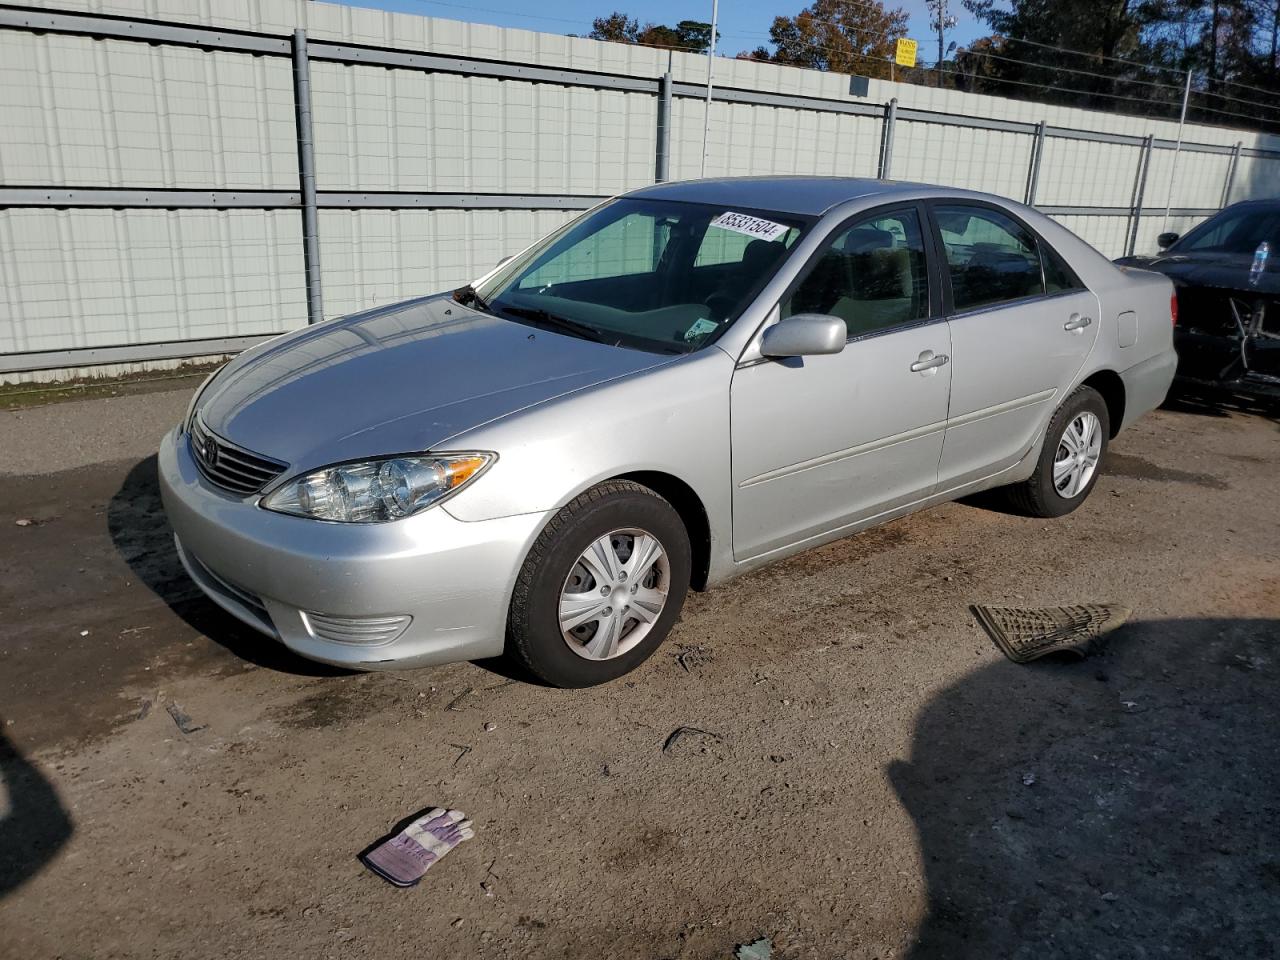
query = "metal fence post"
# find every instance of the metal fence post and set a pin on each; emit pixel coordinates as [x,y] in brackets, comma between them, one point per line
[1139,189]
[1033,173]
[663,172]
[1231,173]
[307,175]
[886,140]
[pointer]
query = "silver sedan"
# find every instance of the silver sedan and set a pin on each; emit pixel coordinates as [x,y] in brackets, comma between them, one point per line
[680,385]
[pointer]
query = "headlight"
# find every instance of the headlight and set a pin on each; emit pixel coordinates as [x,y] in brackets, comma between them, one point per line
[378,490]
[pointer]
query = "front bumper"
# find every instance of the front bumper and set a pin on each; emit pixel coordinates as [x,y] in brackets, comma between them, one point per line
[305,582]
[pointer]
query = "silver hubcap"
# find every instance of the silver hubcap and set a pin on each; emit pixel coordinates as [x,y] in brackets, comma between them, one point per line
[614,594]
[1077,456]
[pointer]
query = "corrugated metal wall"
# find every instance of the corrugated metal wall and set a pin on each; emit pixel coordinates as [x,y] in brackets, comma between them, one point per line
[107,113]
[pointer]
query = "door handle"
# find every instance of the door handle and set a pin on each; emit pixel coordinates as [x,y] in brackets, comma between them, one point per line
[929,361]
[1076,322]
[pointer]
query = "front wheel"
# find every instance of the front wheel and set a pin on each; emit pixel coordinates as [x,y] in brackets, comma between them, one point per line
[1067,469]
[601,587]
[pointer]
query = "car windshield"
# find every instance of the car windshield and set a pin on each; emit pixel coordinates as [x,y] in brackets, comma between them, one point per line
[1234,231]
[654,275]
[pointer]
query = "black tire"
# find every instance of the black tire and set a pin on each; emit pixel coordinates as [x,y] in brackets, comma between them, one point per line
[533,623]
[1037,496]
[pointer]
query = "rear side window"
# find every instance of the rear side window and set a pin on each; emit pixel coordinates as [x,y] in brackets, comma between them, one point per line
[992,258]
[872,275]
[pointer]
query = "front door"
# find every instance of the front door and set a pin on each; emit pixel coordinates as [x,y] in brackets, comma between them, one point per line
[1022,325]
[822,442]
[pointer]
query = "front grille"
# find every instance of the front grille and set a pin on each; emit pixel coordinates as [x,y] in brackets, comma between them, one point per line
[233,592]
[243,603]
[231,468]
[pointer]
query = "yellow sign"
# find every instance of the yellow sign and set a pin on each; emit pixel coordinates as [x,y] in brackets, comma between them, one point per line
[905,53]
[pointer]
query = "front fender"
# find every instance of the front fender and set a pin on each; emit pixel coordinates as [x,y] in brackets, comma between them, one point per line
[673,419]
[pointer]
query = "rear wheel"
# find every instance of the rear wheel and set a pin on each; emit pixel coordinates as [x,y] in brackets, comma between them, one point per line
[601,587]
[1074,444]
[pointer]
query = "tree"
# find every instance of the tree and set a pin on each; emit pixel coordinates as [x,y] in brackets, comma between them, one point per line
[616,27]
[1131,55]
[846,36]
[692,36]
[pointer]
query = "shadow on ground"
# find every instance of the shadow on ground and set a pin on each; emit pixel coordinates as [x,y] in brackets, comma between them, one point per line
[141,534]
[34,826]
[1124,806]
[1214,403]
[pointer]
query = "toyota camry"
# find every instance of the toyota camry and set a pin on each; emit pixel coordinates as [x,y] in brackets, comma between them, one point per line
[679,385]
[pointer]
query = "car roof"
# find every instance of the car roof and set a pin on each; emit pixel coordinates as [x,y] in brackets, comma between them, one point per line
[806,196]
[1263,203]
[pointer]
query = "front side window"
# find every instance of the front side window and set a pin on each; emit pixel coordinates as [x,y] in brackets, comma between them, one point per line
[992,258]
[650,274]
[872,275]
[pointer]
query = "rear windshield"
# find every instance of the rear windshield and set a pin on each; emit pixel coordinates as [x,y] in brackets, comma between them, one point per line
[655,275]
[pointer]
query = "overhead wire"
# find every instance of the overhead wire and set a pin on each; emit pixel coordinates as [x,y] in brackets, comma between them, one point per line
[923,65]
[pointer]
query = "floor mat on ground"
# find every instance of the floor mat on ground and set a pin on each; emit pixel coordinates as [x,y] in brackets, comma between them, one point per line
[1025,634]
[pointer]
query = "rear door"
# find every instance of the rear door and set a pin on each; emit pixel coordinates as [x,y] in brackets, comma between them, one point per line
[1022,325]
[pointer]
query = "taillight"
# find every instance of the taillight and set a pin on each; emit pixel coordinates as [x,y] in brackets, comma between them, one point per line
[1173,309]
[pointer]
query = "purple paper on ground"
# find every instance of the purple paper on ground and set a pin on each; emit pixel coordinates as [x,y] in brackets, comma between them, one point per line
[403,858]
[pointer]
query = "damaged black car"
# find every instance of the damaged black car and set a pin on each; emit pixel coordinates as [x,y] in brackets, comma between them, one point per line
[1227,331]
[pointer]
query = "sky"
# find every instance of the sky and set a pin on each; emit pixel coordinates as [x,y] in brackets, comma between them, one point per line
[743,24]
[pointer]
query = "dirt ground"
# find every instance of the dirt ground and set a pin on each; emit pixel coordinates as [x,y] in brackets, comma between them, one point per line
[880,781]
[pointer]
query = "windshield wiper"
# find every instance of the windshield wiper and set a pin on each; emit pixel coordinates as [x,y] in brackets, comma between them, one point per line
[467,296]
[555,321]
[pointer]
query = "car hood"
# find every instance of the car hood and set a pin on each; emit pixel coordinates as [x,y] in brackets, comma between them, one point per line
[397,380]
[1228,271]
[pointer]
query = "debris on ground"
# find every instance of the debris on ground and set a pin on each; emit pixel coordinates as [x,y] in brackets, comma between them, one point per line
[84,633]
[692,656]
[184,722]
[1025,634]
[490,726]
[406,856]
[761,949]
[1028,779]
[464,750]
[23,522]
[453,704]
[679,733]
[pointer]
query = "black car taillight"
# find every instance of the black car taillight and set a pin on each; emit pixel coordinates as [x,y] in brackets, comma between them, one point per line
[1173,309]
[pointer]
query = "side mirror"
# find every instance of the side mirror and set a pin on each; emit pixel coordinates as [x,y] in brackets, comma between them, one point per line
[804,335]
[1166,240]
